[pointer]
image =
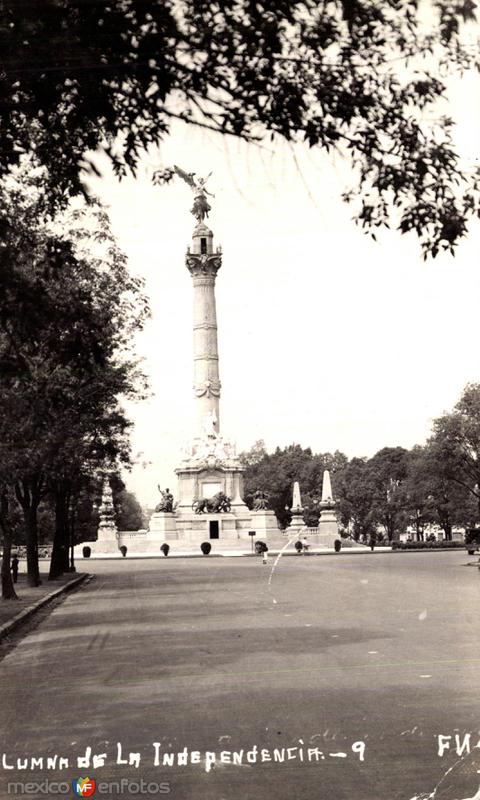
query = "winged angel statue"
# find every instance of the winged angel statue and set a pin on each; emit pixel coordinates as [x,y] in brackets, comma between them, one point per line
[201,205]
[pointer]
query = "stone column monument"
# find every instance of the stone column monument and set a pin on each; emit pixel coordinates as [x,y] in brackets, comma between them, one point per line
[210,501]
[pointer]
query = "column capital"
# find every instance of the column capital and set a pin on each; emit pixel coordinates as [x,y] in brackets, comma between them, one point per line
[203,265]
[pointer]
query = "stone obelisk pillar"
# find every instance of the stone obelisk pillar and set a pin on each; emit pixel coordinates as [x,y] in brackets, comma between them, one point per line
[203,264]
[327,494]
[297,524]
[328,519]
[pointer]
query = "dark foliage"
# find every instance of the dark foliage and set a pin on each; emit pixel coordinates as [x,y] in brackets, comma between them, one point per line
[66,320]
[355,77]
[276,473]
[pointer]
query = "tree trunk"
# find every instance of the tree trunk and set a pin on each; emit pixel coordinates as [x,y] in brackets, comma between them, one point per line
[28,495]
[31,530]
[59,560]
[390,527]
[73,508]
[8,589]
[446,524]
[417,529]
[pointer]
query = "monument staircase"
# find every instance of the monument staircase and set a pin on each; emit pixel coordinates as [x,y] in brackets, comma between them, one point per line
[134,541]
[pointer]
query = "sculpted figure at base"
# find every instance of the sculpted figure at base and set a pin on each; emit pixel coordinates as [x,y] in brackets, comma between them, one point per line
[209,422]
[166,503]
[260,500]
[212,505]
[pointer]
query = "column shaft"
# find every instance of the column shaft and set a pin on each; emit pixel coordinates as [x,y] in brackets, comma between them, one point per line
[205,351]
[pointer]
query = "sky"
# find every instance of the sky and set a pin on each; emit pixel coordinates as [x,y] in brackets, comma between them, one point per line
[327,338]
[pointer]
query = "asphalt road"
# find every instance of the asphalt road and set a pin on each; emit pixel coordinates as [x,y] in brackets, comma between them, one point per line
[296,666]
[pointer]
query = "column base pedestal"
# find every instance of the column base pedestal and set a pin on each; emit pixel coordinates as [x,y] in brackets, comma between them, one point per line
[162,527]
[264,523]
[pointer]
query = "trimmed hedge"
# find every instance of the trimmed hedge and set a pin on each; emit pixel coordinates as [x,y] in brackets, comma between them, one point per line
[446,545]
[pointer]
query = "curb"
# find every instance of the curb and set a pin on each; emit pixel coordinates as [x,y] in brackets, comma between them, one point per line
[13,623]
[345,551]
[239,554]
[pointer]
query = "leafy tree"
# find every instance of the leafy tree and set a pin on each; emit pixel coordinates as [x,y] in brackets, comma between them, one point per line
[363,79]
[67,316]
[419,488]
[129,514]
[387,472]
[99,440]
[433,496]
[254,455]
[355,498]
[86,517]
[372,492]
[455,443]
[276,472]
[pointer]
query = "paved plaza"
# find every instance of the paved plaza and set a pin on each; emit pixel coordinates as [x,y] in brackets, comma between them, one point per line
[317,679]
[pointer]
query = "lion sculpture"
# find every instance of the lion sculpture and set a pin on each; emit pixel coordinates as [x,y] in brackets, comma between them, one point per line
[212,505]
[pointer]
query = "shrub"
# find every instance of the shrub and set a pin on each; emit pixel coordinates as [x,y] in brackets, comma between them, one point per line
[165,548]
[445,545]
[123,550]
[298,546]
[86,552]
[337,545]
[205,547]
